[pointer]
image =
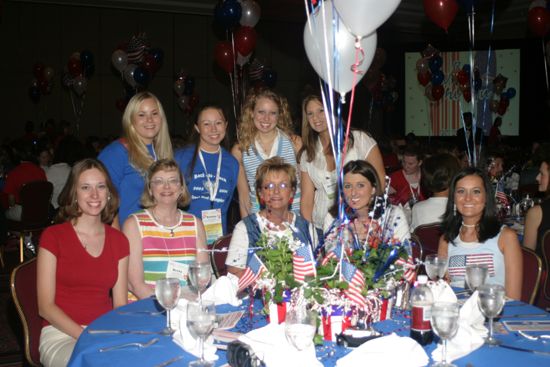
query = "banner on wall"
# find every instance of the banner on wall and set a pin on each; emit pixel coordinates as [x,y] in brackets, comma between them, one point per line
[499,72]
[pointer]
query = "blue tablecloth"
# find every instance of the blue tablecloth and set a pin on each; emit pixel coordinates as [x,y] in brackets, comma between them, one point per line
[86,352]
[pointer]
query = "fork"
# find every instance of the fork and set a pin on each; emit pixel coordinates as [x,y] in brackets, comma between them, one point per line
[534,337]
[135,344]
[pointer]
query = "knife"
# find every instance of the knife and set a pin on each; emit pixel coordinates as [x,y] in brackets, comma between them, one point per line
[506,346]
[170,361]
[120,331]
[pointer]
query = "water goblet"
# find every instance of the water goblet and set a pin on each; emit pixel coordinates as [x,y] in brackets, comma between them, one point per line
[167,291]
[445,325]
[300,327]
[436,266]
[201,318]
[476,275]
[491,300]
[199,275]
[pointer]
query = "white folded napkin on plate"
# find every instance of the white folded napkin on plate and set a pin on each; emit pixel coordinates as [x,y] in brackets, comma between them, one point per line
[269,343]
[183,337]
[442,291]
[470,335]
[387,351]
[224,291]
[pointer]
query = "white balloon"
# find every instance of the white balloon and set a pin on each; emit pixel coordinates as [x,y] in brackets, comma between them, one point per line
[335,68]
[364,16]
[129,74]
[538,3]
[119,60]
[250,14]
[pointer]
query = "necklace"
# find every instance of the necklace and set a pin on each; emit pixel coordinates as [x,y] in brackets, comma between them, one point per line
[81,235]
[468,225]
[168,228]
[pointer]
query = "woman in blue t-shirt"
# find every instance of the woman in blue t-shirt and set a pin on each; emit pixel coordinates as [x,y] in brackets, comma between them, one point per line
[146,139]
[210,171]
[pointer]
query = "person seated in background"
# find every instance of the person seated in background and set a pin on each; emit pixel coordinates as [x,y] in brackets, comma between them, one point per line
[537,219]
[471,231]
[495,136]
[405,183]
[467,140]
[164,239]
[437,172]
[82,263]
[276,184]
[495,166]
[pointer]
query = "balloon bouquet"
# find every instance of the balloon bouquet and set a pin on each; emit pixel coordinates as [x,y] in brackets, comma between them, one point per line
[233,55]
[183,88]
[42,82]
[80,68]
[137,63]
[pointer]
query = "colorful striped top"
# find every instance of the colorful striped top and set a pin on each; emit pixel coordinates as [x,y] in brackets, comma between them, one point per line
[161,244]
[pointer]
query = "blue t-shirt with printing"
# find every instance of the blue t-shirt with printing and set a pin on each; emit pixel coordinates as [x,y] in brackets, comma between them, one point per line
[200,197]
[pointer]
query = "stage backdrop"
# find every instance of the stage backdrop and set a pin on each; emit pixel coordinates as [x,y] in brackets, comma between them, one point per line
[425,117]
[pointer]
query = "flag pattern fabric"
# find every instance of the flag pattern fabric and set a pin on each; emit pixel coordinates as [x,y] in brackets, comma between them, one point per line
[500,195]
[254,268]
[335,254]
[303,263]
[136,49]
[458,263]
[356,281]
[409,269]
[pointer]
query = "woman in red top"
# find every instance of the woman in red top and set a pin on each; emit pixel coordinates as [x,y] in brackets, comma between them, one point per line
[80,261]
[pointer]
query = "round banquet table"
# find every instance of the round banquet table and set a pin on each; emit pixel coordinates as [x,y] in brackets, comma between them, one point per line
[86,352]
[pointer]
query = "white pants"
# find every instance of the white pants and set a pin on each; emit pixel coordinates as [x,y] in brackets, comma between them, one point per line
[55,347]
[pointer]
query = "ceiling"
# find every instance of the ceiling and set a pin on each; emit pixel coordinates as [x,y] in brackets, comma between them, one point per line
[408,24]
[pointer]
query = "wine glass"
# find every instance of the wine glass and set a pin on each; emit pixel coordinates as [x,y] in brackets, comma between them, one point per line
[167,291]
[199,275]
[445,325]
[436,266]
[476,275]
[300,327]
[490,301]
[201,318]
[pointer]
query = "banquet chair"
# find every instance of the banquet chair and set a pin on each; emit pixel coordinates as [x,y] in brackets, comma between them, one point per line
[428,234]
[35,199]
[532,272]
[217,258]
[546,262]
[417,250]
[23,292]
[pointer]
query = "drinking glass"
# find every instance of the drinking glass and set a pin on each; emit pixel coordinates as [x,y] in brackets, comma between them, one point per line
[300,326]
[445,325]
[476,275]
[199,275]
[201,318]
[490,301]
[168,292]
[435,266]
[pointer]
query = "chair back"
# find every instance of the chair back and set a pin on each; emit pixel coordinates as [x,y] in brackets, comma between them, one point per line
[217,258]
[546,257]
[532,271]
[23,292]
[429,235]
[416,247]
[35,199]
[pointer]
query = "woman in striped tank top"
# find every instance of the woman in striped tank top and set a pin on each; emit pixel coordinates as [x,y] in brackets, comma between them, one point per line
[265,130]
[163,238]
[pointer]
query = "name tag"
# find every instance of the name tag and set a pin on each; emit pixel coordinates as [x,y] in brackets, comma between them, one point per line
[329,184]
[212,220]
[177,270]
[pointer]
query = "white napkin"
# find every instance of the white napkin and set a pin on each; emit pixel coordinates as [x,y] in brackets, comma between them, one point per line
[269,343]
[224,291]
[387,351]
[470,335]
[183,337]
[442,291]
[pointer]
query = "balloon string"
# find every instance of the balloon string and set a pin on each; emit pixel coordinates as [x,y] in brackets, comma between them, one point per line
[354,68]
[489,59]
[471,29]
[358,60]
[545,64]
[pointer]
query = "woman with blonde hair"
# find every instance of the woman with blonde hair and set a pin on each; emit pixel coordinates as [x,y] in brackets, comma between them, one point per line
[163,238]
[265,131]
[319,179]
[146,139]
[82,262]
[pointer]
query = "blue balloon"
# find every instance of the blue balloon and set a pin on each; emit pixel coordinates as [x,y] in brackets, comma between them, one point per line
[511,93]
[189,86]
[269,77]
[477,84]
[468,5]
[437,77]
[467,68]
[86,59]
[141,76]
[157,54]
[34,94]
[435,63]
[228,13]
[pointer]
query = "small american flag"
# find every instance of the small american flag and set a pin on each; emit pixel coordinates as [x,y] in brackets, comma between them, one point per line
[303,263]
[356,280]
[335,253]
[254,268]
[409,268]
[500,195]
[458,263]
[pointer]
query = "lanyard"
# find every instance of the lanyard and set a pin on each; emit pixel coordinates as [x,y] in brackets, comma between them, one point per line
[212,189]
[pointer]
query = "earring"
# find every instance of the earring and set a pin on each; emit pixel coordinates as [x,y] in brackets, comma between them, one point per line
[454,209]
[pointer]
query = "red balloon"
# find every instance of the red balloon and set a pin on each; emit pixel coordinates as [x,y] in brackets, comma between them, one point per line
[437,92]
[467,93]
[501,110]
[44,87]
[245,40]
[538,19]
[38,70]
[441,12]
[223,53]
[424,78]
[150,63]
[462,77]
[74,66]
